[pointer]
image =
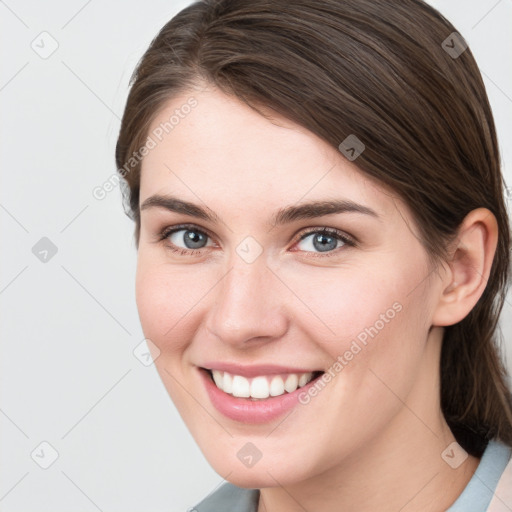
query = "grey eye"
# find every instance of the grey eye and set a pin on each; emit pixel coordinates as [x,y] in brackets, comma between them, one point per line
[188,239]
[319,242]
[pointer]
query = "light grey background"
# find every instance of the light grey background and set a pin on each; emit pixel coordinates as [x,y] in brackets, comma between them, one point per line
[69,325]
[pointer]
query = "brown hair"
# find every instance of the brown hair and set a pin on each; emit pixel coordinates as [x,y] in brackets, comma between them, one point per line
[384,72]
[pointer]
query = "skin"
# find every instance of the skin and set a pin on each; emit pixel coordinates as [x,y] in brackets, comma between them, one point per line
[372,439]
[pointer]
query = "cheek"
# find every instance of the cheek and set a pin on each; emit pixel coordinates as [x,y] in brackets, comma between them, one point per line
[367,317]
[166,298]
[166,302]
[341,304]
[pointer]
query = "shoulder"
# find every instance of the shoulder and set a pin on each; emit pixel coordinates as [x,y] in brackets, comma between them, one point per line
[487,490]
[502,496]
[229,498]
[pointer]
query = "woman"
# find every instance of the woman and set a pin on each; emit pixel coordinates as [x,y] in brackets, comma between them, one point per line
[323,253]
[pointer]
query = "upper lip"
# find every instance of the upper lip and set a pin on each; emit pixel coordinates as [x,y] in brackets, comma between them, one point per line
[255,370]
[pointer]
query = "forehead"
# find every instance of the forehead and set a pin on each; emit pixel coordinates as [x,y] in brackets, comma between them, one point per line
[224,151]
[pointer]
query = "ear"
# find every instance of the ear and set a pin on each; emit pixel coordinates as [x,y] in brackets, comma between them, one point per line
[468,267]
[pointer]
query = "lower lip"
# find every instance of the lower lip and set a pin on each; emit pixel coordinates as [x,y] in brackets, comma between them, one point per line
[246,410]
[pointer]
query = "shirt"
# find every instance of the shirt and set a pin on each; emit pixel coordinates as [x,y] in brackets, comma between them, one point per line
[489,490]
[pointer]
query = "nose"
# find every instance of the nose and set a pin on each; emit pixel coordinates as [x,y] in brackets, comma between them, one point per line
[248,306]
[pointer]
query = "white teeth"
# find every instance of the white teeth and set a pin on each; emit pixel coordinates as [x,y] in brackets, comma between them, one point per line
[241,387]
[292,381]
[227,383]
[218,378]
[276,386]
[303,379]
[260,387]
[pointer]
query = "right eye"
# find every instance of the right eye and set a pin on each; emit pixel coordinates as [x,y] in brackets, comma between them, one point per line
[185,239]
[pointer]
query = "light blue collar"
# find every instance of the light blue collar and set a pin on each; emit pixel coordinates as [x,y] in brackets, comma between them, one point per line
[478,493]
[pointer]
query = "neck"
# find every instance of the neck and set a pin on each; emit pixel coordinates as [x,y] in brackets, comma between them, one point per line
[402,469]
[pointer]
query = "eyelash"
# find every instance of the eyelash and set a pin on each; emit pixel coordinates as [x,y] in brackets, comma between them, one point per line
[339,235]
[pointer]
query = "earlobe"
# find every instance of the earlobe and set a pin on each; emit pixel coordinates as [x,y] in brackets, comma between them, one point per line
[472,254]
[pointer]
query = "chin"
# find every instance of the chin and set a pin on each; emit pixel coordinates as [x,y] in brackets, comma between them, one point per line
[248,479]
[272,472]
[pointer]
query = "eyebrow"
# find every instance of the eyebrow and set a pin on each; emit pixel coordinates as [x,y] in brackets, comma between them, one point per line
[285,215]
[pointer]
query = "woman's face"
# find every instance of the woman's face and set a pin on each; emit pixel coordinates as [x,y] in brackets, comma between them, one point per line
[267,291]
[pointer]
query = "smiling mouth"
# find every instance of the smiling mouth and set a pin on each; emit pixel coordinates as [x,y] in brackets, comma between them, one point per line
[260,387]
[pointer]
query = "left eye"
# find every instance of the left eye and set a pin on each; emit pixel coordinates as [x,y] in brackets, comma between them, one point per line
[321,241]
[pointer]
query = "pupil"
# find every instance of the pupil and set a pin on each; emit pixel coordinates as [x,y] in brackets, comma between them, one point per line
[194,240]
[324,243]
